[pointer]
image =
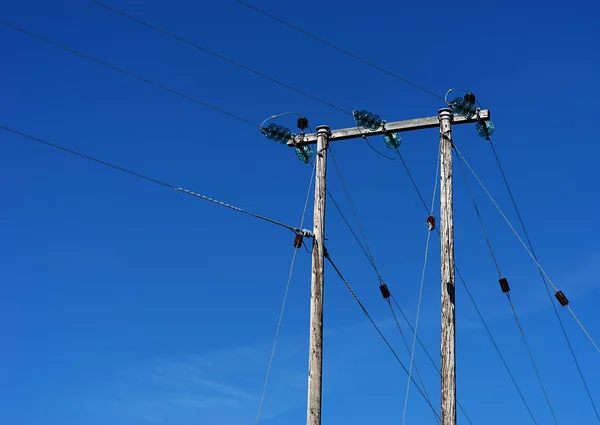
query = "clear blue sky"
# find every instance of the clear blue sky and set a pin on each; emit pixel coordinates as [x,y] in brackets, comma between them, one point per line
[125,303]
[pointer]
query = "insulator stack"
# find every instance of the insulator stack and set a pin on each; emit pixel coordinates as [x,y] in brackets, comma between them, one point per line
[304,153]
[367,120]
[277,133]
[392,140]
[464,106]
[485,129]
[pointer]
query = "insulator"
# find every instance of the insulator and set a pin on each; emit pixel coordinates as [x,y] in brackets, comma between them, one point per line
[562,298]
[375,122]
[298,240]
[485,129]
[470,98]
[504,285]
[304,153]
[302,123]
[367,119]
[431,223]
[384,291]
[392,140]
[277,133]
[269,131]
[464,107]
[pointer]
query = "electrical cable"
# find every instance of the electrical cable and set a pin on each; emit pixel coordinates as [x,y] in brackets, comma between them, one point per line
[367,250]
[412,353]
[285,296]
[385,340]
[514,202]
[150,179]
[507,292]
[544,275]
[474,304]
[339,49]
[131,74]
[219,56]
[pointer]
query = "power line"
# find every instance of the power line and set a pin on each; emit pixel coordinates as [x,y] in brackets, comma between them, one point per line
[150,179]
[487,329]
[543,274]
[412,352]
[131,74]
[464,283]
[528,249]
[385,340]
[222,57]
[507,291]
[367,252]
[285,296]
[339,49]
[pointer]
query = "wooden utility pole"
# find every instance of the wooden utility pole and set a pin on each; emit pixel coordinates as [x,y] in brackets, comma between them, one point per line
[315,356]
[448,338]
[444,121]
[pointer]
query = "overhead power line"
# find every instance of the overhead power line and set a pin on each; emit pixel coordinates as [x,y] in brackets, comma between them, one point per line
[283,303]
[150,179]
[339,49]
[464,283]
[131,74]
[544,275]
[385,340]
[220,56]
[506,289]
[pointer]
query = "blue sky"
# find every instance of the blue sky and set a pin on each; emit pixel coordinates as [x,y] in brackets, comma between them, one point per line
[125,303]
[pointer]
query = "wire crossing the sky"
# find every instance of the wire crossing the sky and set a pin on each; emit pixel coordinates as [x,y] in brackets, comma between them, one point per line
[131,74]
[464,283]
[285,297]
[218,55]
[339,49]
[506,290]
[150,179]
[542,273]
[385,340]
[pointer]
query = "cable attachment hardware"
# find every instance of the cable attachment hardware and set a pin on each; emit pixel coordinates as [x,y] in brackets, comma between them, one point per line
[504,285]
[562,298]
[298,240]
[384,291]
[431,223]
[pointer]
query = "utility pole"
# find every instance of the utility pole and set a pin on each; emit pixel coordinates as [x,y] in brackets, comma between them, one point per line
[315,356]
[448,339]
[322,138]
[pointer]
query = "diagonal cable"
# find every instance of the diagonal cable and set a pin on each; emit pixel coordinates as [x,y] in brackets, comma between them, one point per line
[285,296]
[464,283]
[339,49]
[219,56]
[385,340]
[542,273]
[145,177]
[508,297]
[130,74]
